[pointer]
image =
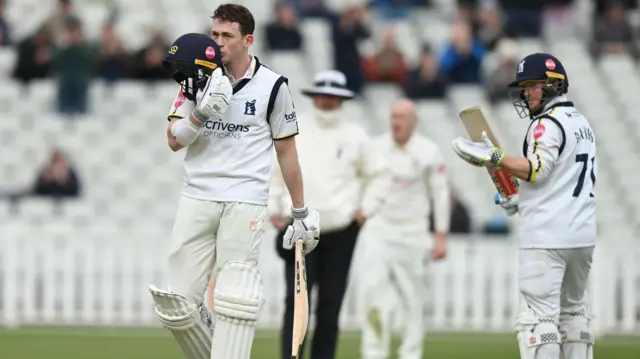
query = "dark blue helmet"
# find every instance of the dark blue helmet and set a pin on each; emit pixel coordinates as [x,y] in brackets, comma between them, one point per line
[538,68]
[191,59]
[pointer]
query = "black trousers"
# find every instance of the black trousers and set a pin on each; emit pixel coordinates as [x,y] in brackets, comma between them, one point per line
[328,269]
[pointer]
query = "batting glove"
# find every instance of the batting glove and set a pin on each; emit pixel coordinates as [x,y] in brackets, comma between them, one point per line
[216,99]
[305,228]
[480,154]
[509,204]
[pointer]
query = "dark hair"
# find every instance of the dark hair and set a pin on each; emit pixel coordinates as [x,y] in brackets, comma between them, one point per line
[236,13]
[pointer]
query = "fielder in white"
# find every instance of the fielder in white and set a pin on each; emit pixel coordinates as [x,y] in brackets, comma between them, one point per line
[229,124]
[396,240]
[557,207]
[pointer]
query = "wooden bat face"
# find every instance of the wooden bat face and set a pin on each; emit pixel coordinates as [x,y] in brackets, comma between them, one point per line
[300,302]
[475,122]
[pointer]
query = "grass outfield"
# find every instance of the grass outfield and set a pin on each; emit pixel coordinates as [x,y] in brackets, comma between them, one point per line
[156,344]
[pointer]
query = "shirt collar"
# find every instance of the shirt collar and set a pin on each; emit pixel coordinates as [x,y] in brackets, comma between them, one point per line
[554,101]
[248,75]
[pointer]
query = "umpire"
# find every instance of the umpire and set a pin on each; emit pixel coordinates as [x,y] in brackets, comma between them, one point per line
[337,163]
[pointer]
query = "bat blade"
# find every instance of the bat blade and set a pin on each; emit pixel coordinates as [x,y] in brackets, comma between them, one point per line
[300,302]
[475,122]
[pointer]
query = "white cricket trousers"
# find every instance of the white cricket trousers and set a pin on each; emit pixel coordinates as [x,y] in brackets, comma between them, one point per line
[393,272]
[209,233]
[554,281]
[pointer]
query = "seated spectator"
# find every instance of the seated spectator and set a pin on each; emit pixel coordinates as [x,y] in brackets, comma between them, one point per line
[490,27]
[499,77]
[462,59]
[113,62]
[57,21]
[148,62]
[347,31]
[601,7]
[73,64]
[5,35]
[522,18]
[392,9]
[427,81]
[311,8]
[387,64]
[34,56]
[283,34]
[58,179]
[613,33]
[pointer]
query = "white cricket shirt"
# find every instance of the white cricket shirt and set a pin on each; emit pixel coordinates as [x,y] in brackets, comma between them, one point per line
[338,164]
[558,204]
[416,178]
[230,161]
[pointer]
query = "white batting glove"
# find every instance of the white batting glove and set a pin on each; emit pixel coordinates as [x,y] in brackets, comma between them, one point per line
[509,204]
[480,154]
[305,228]
[216,99]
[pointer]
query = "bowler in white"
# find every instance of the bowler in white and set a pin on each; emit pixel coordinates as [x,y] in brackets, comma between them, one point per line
[396,243]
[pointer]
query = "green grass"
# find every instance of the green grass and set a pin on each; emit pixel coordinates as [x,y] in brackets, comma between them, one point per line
[67,343]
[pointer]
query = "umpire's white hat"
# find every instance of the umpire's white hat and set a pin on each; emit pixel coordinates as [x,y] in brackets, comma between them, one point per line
[330,83]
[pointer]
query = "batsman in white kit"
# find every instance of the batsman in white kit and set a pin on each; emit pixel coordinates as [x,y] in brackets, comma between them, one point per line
[557,208]
[396,240]
[230,113]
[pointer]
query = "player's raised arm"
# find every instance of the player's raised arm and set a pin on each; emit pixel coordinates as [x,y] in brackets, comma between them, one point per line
[193,62]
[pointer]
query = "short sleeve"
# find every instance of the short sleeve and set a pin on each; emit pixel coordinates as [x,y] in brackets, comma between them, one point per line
[181,107]
[283,119]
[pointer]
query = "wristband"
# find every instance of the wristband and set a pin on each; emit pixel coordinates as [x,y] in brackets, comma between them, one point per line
[184,131]
[300,213]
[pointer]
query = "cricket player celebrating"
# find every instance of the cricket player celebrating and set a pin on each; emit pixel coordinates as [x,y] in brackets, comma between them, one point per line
[396,240]
[229,124]
[558,210]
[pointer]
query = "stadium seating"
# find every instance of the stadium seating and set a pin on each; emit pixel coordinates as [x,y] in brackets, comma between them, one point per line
[120,152]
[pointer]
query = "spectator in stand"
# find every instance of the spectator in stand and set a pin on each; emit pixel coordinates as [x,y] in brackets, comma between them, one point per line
[522,18]
[34,56]
[113,63]
[311,8]
[348,30]
[427,81]
[462,59]
[73,65]
[57,179]
[392,9]
[148,62]
[490,27]
[283,34]
[613,33]
[5,34]
[387,64]
[498,78]
[601,6]
[57,21]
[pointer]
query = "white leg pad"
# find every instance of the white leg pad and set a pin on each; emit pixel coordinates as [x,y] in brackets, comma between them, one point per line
[538,338]
[577,338]
[238,300]
[190,324]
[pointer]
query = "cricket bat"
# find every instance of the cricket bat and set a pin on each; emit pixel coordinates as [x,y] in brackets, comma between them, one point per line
[475,122]
[300,302]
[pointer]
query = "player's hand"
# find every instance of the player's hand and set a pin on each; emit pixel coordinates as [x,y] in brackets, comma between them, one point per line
[479,153]
[278,222]
[305,228]
[360,218]
[509,204]
[216,99]
[439,250]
